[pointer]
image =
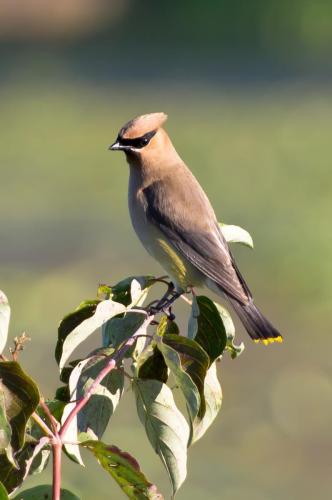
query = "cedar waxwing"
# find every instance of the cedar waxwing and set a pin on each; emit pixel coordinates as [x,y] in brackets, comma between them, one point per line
[175,221]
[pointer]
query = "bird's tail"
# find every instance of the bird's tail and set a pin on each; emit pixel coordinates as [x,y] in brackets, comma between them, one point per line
[258,327]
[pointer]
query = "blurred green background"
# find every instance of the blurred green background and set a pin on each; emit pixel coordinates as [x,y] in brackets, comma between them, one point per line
[247,86]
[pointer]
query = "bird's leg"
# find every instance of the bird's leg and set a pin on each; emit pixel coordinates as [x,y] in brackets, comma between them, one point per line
[169,301]
[164,299]
[190,290]
[155,304]
[169,314]
[164,304]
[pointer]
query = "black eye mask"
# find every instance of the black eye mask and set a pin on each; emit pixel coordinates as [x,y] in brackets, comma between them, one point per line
[138,142]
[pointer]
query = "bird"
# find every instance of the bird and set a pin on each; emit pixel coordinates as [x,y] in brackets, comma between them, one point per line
[174,220]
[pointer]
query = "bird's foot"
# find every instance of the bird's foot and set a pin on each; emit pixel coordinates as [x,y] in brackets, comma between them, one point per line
[164,304]
[169,314]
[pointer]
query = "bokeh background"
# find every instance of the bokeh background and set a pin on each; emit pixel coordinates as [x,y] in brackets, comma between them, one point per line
[247,86]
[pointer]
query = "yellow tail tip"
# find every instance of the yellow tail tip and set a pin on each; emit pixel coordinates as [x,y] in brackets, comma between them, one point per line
[270,340]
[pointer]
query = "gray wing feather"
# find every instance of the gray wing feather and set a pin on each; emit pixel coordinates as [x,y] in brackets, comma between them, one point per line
[195,233]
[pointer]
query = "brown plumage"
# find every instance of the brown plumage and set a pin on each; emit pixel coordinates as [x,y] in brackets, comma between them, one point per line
[176,223]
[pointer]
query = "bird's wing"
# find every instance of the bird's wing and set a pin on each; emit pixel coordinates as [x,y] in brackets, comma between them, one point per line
[189,223]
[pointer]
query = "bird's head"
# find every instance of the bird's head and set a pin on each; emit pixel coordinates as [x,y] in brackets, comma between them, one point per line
[142,136]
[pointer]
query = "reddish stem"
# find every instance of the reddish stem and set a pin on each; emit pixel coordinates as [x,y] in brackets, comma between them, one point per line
[57,455]
[54,423]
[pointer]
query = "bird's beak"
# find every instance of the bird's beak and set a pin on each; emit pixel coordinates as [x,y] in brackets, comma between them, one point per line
[116,146]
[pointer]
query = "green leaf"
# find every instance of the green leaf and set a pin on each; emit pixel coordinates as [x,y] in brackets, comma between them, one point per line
[117,330]
[211,333]
[92,420]
[193,319]
[150,363]
[66,372]
[235,350]
[227,321]
[3,492]
[165,426]
[5,431]
[167,325]
[62,393]
[125,470]
[138,293]
[4,320]
[213,400]
[235,234]
[12,476]
[126,293]
[153,367]
[85,310]
[31,459]
[21,398]
[104,311]
[189,363]
[44,492]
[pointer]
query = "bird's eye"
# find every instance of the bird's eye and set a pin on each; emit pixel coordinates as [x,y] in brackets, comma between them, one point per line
[144,141]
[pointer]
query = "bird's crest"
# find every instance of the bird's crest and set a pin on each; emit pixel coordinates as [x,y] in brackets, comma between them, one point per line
[140,125]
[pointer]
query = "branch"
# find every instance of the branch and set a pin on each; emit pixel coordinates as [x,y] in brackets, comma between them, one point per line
[19,343]
[57,455]
[54,423]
